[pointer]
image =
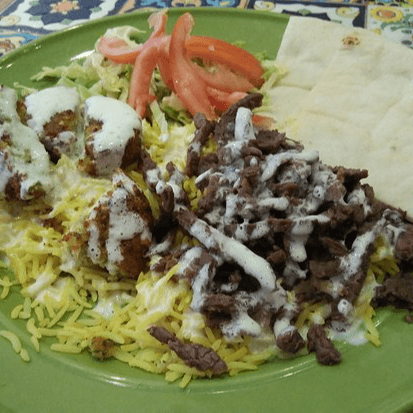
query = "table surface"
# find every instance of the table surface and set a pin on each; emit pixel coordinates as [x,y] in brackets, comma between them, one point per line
[24,20]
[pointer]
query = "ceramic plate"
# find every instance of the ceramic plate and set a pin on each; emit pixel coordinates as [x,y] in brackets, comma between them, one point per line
[369,379]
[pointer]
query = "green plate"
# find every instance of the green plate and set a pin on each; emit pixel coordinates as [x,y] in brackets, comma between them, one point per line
[369,379]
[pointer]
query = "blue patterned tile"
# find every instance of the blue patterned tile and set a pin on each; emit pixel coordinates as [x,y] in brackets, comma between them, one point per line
[11,7]
[159,4]
[13,37]
[401,3]
[349,15]
[50,11]
[5,4]
[10,40]
[58,14]
[393,22]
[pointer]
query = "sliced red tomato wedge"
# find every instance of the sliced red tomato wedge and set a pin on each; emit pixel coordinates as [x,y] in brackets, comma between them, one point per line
[189,87]
[200,89]
[223,78]
[118,51]
[263,121]
[223,100]
[163,63]
[139,90]
[145,63]
[220,51]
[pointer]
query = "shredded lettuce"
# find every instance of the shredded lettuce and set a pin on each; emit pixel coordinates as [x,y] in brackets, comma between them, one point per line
[166,142]
[94,76]
[172,107]
[128,34]
[160,119]
[272,74]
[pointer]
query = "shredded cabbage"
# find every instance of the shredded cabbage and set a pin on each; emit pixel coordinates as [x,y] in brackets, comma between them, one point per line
[125,33]
[272,74]
[165,141]
[95,76]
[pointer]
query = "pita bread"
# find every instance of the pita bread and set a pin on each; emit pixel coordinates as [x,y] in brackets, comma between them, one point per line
[307,47]
[352,101]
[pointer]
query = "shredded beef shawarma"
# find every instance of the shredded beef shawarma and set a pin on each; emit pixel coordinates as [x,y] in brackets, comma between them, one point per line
[263,240]
[271,211]
[322,346]
[194,355]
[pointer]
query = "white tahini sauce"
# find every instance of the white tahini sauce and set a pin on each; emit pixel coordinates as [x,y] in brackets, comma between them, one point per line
[124,224]
[233,250]
[119,123]
[25,154]
[44,104]
[106,305]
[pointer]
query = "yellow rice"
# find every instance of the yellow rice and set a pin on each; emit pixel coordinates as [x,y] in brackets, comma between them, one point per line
[67,314]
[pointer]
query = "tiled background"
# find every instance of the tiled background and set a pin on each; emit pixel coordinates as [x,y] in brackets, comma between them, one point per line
[24,20]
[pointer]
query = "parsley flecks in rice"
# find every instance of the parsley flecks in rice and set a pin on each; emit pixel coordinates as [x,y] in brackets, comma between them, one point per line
[246,247]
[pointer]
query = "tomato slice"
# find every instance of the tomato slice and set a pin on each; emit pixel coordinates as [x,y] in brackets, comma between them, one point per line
[264,122]
[221,77]
[118,51]
[220,51]
[224,79]
[189,87]
[235,71]
[163,63]
[145,63]
[223,100]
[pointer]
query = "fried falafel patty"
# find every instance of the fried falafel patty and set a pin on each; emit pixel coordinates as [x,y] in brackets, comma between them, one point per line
[53,113]
[24,163]
[120,229]
[112,133]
